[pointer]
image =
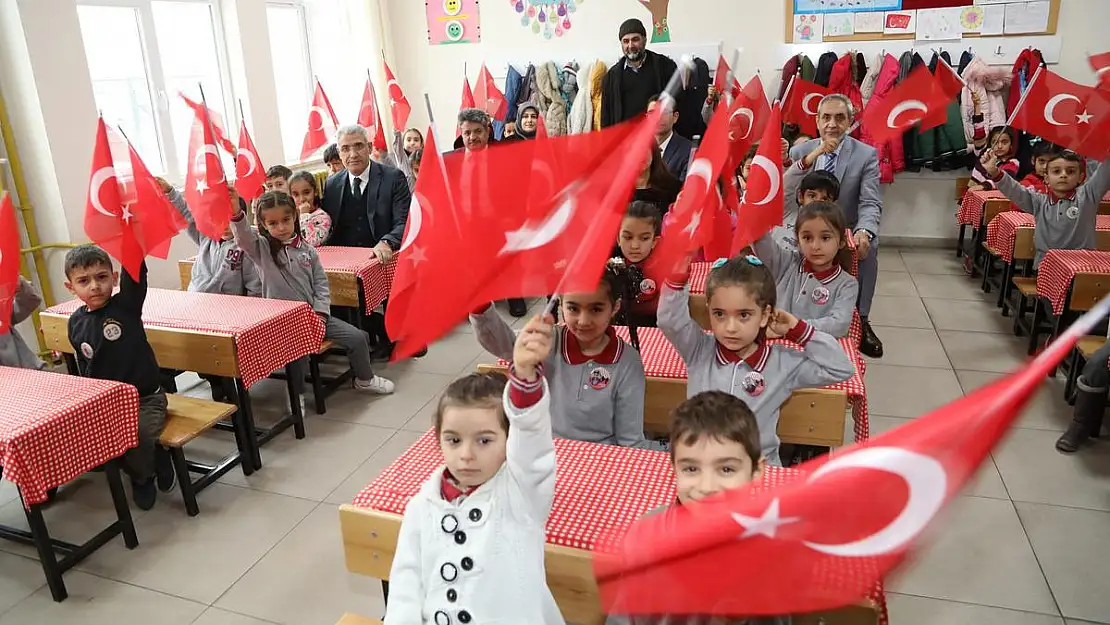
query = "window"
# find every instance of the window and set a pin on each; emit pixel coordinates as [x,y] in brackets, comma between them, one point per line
[292,72]
[141,53]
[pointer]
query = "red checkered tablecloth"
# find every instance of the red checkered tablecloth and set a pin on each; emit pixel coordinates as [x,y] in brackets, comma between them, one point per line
[971,208]
[54,427]
[599,489]
[1002,231]
[1058,267]
[269,333]
[360,261]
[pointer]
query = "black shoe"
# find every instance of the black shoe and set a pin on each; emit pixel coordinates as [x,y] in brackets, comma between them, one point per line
[1090,403]
[420,354]
[144,493]
[518,307]
[382,353]
[869,344]
[164,474]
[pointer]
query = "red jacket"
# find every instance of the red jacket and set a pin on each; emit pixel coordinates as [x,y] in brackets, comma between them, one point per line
[892,157]
[1029,60]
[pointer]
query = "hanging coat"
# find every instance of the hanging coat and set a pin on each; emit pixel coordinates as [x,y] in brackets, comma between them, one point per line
[1024,67]
[859,69]
[892,157]
[990,83]
[867,87]
[808,70]
[965,59]
[581,118]
[790,69]
[569,82]
[690,123]
[907,63]
[824,68]
[512,89]
[597,78]
[527,91]
[553,107]
[841,81]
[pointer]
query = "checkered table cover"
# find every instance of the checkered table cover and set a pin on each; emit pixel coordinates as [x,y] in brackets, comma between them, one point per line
[269,333]
[1002,231]
[971,208]
[1058,268]
[599,489]
[361,261]
[54,427]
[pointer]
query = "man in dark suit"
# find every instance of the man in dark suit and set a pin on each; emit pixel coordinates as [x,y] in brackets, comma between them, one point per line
[675,148]
[639,74]
[368,204]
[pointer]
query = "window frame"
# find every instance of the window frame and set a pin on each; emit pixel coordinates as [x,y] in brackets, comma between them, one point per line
[305,23]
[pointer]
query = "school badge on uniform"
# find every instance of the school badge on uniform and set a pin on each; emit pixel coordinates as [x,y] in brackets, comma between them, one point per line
[112,330]
[647,286]
[599,378]
[86,350]
[1072,212]
[234,258]
[820,296]
[753,383]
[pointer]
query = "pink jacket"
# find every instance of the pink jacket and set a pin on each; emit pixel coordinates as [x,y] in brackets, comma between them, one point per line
[991,84]
[892,156]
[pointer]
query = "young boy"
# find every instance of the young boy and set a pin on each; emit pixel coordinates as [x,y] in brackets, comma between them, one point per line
[1066,215]
[805,188]
[277,178]
[332,160]
[714,447]
[111,344]
[1042,153]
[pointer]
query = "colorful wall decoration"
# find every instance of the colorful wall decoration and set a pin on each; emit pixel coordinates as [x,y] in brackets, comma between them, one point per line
[453,21]
[659,29]
[550,17]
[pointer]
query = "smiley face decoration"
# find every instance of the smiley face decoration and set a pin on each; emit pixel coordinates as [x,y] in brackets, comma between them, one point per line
[453,21]
[550,17]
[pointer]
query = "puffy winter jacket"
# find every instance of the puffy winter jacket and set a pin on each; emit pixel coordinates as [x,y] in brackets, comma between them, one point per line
[823,73]
[867,88]
[892,157]
[581,118]
[550,98]
[841,81]
[1024,67]
[990,84]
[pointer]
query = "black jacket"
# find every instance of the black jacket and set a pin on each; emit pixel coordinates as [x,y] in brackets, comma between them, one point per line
[661,68]
[824,68]
[677,154]
[690,124]
[387,198]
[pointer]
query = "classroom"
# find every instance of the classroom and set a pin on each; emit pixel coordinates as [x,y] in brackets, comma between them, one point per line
[322,312]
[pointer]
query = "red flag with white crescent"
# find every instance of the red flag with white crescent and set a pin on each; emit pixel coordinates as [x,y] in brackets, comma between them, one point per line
[399,107]
[467,102]
[762,207]
[1100,63]
[9,260]
[250,175]
[369,118]
[1066,113]
[322,123]
[488,97]
[951,85]
[107,216]
[911,101]
[720,76]
[800,107]
[206,190]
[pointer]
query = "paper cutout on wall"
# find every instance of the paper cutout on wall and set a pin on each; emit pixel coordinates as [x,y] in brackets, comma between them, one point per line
[453,21]
[550,17]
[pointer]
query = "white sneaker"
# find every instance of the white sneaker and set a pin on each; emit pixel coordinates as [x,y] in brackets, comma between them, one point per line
[377,385]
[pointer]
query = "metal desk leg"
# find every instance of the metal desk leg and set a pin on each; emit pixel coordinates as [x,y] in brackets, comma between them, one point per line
[252,457]
[119,499]
[295,402]
[45,548]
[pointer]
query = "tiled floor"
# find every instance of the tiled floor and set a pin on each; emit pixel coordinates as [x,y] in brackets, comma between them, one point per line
[1027,544]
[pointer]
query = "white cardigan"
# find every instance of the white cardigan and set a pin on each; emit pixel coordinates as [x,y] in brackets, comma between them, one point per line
[482,562]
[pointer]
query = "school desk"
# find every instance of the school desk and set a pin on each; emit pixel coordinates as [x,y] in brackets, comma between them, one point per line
[1068,283]
[242,338]
[53,428]
[599,489]
[355,276]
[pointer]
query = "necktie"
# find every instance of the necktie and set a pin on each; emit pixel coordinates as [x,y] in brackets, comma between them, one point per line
[830,165]
[358,189]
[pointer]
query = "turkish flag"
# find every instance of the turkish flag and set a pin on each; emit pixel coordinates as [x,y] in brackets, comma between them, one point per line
[107,216]
[467,101]
[155,221]
[823,539]
[398,104]
[368,116]
[206,190]
[322,123]
[1067,114]
[724,221]
[217,123]
[488,97]
[911,101]
[951,85]
[722,75]
[250,175]
[762,207]
[800,107]
[747,118]
[1100,63]
[9,260]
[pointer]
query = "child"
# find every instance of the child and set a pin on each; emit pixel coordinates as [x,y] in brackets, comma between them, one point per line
[474,534]
[111,344]
[1042,153]
[801,187]
[277,178]
[1066,215]
[639,234]
[332,160]
[13,349]
[1002,143]
[315,223]
[413,141]
[414,162]
[596,379]
[746,169]
[291,270]
[736,358]
[714,446]
[811,282]
[1092,389]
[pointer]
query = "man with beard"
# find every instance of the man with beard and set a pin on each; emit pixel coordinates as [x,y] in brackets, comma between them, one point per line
[633,80]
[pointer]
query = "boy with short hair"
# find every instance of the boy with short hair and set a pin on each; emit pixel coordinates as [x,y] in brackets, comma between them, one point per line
[110,341]
[714,443]
[1066,215]
[277,178]
[805,187]
[332,160]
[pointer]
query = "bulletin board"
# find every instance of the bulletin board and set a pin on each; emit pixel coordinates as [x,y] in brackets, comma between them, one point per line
[838,11]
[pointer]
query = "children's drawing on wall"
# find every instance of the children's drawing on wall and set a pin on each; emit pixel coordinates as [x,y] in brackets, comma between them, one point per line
[550,17]
[808,28]
[661,29]
[453,21]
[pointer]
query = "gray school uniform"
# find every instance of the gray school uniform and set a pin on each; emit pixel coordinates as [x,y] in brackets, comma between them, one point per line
[824,301]
[220,266]
[765,379]
[14,351]
[597,399]
[299,277]
[1062,223]
[680,585]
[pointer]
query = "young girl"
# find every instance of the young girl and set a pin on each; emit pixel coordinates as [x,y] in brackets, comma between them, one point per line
[736,358]
[13,349]
[746,169]
[315,223]
[291,270]
[471,546]
[413,141]
[1002,142]
[1042,154]
[639,234]
[596,379]
[811,283]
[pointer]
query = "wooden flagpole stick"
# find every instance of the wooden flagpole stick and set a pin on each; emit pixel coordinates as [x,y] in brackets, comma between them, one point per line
[1025,94]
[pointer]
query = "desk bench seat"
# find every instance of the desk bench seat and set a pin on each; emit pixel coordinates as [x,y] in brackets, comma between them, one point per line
[186,419]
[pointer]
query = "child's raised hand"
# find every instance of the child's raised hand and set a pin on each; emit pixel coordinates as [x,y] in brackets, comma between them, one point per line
[990,163]
[533,345]
[781,322]
[233,193]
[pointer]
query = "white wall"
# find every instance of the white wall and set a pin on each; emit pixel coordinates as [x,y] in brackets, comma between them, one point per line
[917,206]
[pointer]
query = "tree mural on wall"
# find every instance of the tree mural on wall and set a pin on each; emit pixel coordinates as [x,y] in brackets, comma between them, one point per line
[550,17]
[660,29]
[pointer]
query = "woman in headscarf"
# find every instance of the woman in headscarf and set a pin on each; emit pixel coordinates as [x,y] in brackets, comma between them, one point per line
[527,121]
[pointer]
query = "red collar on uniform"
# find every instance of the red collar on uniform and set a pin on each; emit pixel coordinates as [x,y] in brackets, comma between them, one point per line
[1055,199]
[825,276]
[572,351]
[450,489]
[756,360]
[295,241]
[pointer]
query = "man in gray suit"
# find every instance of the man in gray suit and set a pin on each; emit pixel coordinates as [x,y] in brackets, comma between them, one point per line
[856,166]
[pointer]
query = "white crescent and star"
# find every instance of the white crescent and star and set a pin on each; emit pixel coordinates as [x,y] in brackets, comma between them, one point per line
[416,219]
[902,107]
[806,100]
[323,115]
[773,174]
[702,169]
[745,112]
[252,162]
[925,478]
[102,175]
[1053,102]
[200,161]
[529,237]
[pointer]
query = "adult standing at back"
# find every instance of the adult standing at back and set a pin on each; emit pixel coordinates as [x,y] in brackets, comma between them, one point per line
[856,165]
[631,81]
